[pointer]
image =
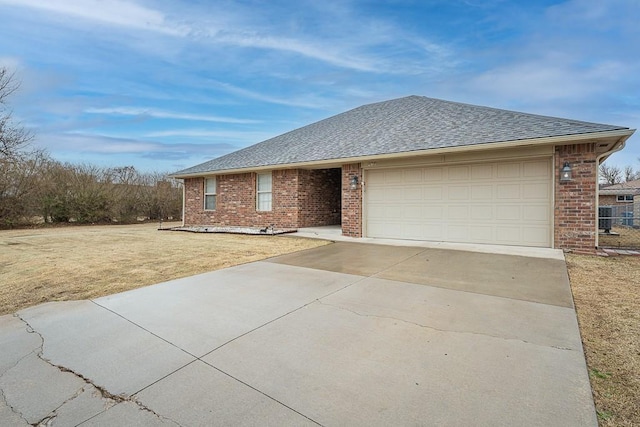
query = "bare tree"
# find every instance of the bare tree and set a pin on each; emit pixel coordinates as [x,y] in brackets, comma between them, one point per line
[630,174]
[13,136]
[610,174]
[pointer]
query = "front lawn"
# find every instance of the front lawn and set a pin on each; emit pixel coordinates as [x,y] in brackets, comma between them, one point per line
[607,298]
[82,262]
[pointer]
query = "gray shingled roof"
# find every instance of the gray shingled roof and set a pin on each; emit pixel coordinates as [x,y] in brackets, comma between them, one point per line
[629,187]
[400,125]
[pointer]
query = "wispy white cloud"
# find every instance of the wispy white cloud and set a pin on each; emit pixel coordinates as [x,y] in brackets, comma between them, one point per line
[530,81]
[160,114]
[248,136]
[102,144]
[319,51]
[120,13]
[311,101]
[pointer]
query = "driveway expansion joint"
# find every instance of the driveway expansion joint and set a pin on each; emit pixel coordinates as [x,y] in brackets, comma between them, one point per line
[261,392]
[105,394]
[420,325]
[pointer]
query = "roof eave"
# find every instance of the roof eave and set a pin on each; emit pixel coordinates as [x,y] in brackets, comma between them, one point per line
[618,134]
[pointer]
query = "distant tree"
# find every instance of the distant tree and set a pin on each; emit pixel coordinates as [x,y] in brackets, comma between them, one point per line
[610,174]
[13,136]
[630,174]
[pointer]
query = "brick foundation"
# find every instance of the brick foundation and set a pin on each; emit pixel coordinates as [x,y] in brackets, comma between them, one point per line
[575,201]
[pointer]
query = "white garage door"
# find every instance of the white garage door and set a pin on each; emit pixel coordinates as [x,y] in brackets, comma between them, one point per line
[505,203]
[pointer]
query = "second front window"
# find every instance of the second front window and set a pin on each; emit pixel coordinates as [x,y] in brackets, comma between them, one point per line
[264,192]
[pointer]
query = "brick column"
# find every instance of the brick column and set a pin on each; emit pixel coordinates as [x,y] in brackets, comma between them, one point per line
[351,201]
[193,200]
[575,201]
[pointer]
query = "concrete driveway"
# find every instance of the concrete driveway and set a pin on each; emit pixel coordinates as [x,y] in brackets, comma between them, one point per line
[345,334]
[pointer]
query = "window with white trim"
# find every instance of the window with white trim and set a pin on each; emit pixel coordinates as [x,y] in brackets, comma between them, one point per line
[625,198]
[210,194]
[263,184]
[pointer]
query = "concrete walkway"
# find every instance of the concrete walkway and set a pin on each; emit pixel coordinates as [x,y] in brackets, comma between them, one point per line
[345,334]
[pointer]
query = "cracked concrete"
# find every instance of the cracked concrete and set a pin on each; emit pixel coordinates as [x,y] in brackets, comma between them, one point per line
[420,325]
[343,334]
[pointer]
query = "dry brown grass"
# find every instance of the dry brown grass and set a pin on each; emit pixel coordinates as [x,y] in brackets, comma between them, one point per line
[607,297]
[70,263]
[625,237]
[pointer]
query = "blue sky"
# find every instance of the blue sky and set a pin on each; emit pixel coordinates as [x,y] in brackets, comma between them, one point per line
[164,84]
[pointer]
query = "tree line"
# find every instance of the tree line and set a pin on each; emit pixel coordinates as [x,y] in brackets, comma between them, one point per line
[615,175]
[35,188]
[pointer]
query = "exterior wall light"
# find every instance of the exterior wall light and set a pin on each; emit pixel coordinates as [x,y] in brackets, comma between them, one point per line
[565,172]
[354,182]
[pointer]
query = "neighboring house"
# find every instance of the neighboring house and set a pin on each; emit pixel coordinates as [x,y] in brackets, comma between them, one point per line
[416,168]
[623,197]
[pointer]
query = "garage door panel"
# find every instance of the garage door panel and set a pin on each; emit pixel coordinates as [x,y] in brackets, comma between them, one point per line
[376,228]
[498,202]
[482,212]
[482,192]
[413,193]
[431,231]
[508,191]
[458,233]
[537,169]
[482,172]
[458,212]
[393,212]
[508,212]
[393,194]
[482,233]
[433,175]
[457,173]
[431,193]
[413,213]
[536,234]
[375,194]
[536,190]
[433,212]
[413,176]
[459,192]
[393,177]
[508,234]
[375,212]
[375,178]
[535,213]
[509,170]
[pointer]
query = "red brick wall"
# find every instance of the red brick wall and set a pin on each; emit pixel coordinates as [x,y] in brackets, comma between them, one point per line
[236,201]
[608,200]
[575,201]
[300,198]
[351,201]
[320,197]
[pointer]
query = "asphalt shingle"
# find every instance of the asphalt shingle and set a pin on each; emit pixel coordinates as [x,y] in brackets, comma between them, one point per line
[629,187]
[412,123]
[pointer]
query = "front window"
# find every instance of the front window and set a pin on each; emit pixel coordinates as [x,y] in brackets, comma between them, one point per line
[264,192]
[210,194]
[625,198]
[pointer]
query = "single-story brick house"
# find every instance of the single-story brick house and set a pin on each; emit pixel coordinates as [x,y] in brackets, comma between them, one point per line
[624,197]
[416,168]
